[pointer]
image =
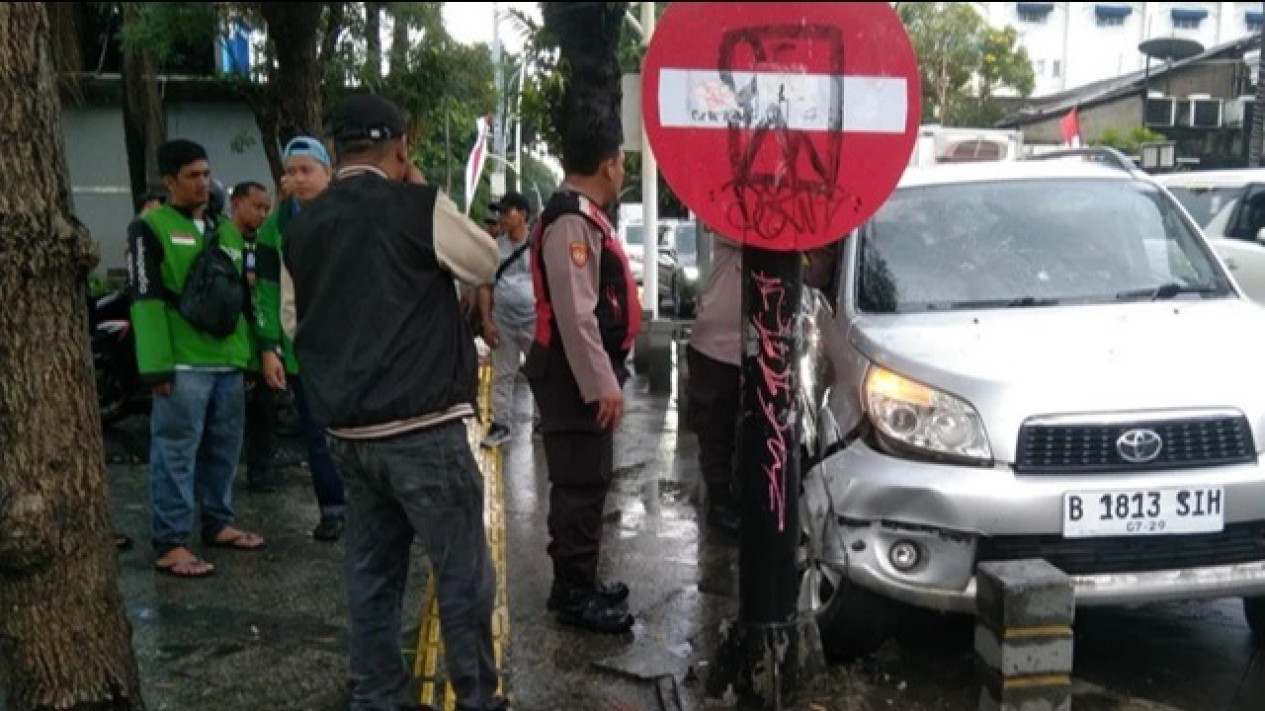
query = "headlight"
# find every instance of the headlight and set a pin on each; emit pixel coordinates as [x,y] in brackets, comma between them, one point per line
[913,415]
[691,273]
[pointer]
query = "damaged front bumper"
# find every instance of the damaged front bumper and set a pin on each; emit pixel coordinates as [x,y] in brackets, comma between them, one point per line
[912,531]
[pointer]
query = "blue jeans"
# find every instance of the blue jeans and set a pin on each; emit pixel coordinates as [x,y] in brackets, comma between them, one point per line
[325,480]
[423,484]
[196,440]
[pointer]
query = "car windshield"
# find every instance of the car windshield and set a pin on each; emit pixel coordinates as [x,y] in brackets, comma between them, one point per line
[1205,203]
[1030,243]
[686,239]
[635,234]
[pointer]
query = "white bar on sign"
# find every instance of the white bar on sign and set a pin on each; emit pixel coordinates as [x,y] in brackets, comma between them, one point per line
[699,98]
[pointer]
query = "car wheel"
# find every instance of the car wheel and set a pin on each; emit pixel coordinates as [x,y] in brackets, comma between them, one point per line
[853,621]
[1254,609]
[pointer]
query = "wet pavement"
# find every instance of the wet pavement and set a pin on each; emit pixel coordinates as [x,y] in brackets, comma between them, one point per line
[268,631]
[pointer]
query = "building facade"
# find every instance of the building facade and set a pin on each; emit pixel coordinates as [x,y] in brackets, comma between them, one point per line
[1203,104]
[1076,43]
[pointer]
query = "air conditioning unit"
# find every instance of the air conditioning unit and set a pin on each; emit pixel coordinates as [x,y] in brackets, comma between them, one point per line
[1206,112]
[1236,111]
[1161,111]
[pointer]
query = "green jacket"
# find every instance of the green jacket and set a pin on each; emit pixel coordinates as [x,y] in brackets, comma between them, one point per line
[268,286]
[161,249]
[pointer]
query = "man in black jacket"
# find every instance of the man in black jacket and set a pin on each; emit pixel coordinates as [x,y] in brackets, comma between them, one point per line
[389,368]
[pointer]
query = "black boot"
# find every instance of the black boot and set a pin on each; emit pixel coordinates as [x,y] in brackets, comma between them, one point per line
[584,607]
[614,593]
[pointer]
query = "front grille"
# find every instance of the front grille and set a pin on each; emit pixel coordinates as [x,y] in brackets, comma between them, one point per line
[1085,449]
[1237,544]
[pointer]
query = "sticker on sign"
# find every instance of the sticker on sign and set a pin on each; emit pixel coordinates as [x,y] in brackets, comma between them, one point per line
[693,98]
[1143,512]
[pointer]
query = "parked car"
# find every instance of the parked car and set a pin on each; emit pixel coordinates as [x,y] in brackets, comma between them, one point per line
[678,269]
[1229,206]
[632,235]
[1030,359]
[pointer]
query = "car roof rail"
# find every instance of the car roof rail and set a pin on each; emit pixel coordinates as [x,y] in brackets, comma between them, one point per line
[1098,154]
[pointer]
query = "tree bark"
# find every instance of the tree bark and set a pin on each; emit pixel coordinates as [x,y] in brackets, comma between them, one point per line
[588,41]
[144,125]
[64,635]
[294,28]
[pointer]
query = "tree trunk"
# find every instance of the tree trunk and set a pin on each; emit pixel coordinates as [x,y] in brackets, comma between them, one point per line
[373,42]
[588,41]
[399,45]
[1258,114]
[294,28]
[144,126]
[65,641]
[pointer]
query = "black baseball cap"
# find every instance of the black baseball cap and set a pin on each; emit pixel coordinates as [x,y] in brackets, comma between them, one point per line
[366,117]
[514,201]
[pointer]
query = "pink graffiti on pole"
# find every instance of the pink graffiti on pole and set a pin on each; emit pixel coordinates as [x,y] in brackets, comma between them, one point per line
[774,389]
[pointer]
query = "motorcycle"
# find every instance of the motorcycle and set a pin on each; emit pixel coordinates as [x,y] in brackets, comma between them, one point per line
[119,392]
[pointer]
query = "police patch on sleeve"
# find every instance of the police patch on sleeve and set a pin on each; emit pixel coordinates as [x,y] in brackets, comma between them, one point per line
[580,254]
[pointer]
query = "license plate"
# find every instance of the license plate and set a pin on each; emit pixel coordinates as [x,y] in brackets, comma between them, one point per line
[1146,512]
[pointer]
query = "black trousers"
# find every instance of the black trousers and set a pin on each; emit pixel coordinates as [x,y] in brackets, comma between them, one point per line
[580,457]
[715,396]
[261,429]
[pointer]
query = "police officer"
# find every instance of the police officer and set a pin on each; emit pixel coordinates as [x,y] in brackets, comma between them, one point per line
[588,314]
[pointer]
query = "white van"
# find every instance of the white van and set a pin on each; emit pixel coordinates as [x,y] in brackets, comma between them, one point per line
[941,144]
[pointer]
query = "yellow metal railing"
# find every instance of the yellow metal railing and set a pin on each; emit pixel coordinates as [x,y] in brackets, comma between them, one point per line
[428,665]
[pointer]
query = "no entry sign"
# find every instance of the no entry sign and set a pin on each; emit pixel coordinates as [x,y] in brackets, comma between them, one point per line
[782,125]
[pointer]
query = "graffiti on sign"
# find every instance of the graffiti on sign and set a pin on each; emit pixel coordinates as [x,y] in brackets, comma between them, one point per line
[785,126]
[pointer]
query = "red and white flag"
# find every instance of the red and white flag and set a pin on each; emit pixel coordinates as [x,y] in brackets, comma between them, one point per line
[478,156]
[1071,128]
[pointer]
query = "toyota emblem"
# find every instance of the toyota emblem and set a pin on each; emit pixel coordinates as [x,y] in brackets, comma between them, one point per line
[1140,446]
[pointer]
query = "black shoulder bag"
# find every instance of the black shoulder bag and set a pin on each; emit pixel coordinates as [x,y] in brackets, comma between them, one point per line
[214,295]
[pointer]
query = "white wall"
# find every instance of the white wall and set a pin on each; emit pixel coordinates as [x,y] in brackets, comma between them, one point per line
[1085,51]
[101,192]
[231,138]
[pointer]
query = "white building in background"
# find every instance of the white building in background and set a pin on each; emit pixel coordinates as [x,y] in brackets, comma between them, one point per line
[1075,43]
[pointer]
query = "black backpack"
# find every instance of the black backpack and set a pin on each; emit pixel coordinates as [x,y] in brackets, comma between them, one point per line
[214,295]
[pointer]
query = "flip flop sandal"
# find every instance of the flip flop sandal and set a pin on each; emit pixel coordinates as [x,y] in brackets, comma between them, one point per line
[236,542]
[170,570]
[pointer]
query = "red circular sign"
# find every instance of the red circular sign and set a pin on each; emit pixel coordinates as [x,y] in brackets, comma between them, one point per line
[782,125]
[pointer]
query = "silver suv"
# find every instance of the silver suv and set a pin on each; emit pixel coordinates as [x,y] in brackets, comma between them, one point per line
[1035,359]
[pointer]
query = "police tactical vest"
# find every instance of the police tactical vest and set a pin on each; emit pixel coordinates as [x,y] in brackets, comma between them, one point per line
[618,308]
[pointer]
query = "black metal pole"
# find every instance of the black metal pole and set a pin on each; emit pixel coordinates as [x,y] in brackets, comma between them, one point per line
[771,651]
[768,469]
